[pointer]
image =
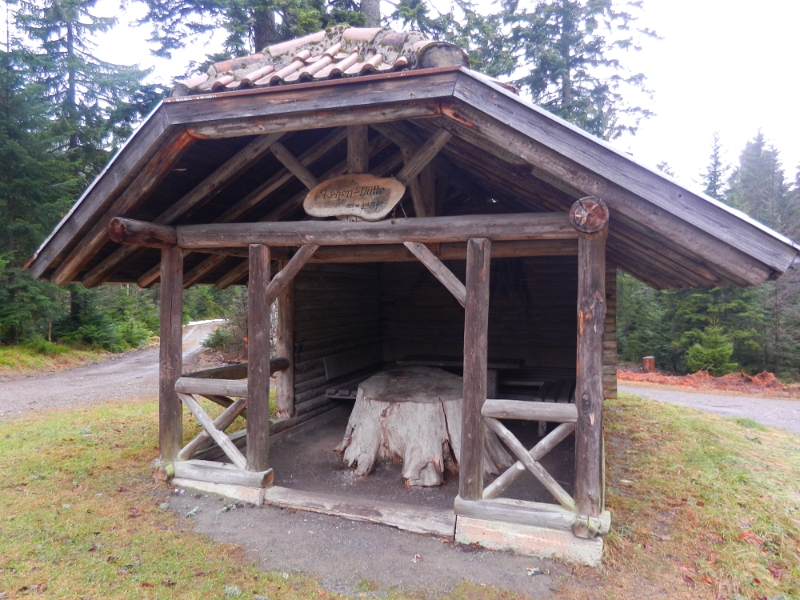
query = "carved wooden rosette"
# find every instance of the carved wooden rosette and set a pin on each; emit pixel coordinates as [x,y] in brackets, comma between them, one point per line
[355,195]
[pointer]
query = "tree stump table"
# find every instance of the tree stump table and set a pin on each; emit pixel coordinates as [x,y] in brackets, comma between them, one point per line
[413,414]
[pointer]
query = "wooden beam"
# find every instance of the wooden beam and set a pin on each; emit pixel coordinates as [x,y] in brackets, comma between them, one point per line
[221,473]
[476,326]
[524,226]
[358,149]
[133,157]
[417,161]
[539,451]
[141,188]
[258,359]
[694,223]
[551,412]
[423,156]
[284,348]
[287,274]
[237,388]
[316,105]
[589,368]
[288,207]
[252,199]
[202,193]
[427,190]
[170,432]
[141,233]
[220,437]
[559,493]
[222,422]
[439,270]
[295,166]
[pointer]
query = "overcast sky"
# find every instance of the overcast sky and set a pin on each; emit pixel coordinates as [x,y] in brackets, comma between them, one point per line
[722,66]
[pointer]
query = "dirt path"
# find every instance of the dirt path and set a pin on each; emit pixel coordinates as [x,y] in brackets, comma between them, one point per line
[129,375]
[773,412]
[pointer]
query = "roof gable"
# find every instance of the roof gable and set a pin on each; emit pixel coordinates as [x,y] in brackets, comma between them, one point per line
[201,156]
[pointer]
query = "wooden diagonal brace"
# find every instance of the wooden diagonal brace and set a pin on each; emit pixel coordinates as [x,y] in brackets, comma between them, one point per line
[439,270]
[559,493]
[295,166]
[423,156]
[221,423]
[285,275]
[223,441]
[499,485]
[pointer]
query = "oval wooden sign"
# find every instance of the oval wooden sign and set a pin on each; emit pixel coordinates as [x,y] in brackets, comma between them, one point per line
[362,195]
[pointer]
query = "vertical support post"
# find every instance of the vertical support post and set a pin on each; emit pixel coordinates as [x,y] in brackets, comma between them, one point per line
[476,334]
[258,325]
[357,149]
[590,218]
[170,409]
[284,348]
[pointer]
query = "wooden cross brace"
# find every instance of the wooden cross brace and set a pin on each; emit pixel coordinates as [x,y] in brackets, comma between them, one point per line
[529,459]
[214,429]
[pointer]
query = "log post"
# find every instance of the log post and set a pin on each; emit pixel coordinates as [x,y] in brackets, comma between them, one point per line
[258,326]
[590,217]
[170,408]
[284,348]
[476,332]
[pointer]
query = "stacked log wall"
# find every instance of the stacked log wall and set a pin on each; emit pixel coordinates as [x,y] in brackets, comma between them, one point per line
[532,314]
[337,308]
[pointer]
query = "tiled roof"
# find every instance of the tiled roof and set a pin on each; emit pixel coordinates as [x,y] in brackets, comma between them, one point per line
[341,51]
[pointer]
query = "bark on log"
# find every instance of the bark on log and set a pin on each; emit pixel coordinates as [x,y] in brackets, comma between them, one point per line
[413,414]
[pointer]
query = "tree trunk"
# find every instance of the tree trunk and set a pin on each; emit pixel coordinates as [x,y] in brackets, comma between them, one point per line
[265,31]
[372,12]
[413,415]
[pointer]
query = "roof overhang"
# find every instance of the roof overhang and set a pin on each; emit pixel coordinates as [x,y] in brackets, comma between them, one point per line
[660,232]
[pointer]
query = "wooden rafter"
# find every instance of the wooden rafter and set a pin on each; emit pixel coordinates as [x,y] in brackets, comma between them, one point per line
[250,201]
[200,194]
[292,205]
[299,170]
[141,187]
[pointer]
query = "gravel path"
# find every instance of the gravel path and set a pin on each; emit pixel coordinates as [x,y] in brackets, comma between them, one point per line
[773,412]
[129,375]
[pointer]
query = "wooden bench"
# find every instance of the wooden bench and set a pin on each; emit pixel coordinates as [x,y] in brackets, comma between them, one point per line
[345,370]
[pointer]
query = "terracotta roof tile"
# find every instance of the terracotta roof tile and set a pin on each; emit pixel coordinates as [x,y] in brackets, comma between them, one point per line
[339,51]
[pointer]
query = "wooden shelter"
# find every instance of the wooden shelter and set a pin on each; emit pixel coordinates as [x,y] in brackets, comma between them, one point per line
[497,259]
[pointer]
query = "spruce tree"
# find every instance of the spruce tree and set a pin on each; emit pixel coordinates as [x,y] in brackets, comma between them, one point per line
[93,104]
[568,49]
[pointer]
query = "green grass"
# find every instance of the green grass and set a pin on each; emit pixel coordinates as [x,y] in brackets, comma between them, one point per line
[702,506]
[81,517]
[22,358]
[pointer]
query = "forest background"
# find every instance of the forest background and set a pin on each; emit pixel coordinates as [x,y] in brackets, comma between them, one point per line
[64,112]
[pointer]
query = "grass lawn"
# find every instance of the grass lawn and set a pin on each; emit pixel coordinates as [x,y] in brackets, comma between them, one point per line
[22,359]
[703,507]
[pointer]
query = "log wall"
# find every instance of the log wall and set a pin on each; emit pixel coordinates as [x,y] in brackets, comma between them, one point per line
[337,308]
[531,311]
